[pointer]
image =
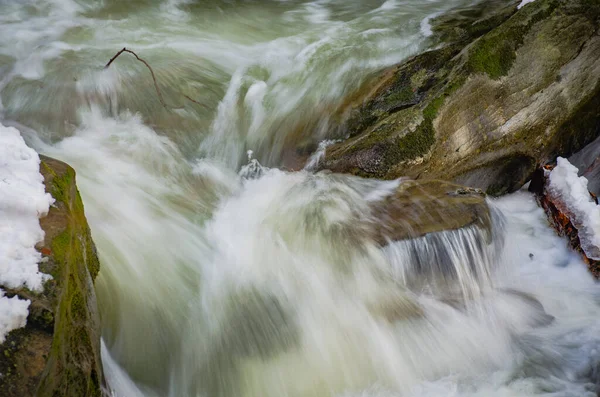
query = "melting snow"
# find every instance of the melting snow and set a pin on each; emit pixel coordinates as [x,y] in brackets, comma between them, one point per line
[572,190]
[22,201]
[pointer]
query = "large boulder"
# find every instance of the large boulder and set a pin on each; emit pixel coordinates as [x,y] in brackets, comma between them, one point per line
[513,89]
[58,352]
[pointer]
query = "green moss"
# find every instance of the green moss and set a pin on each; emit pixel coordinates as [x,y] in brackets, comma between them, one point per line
[418,142]
[417,79]
[78,307]
[412,145]
[60,248]
[89,248]
[61,184]
[495,52]
[404,94]
[46,319]
[386,137]
[62,191]
[73,355]
[496,55]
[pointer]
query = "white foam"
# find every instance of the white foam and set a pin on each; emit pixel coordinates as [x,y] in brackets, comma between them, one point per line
[318,155]
[317,14]
[556,359]
[426,29]
[119,380]
[525,2]
[388,5]
[18,35]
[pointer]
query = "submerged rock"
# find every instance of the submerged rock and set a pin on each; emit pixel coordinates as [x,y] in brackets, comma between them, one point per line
[58,352]
[421,207]
[438,237]
[514,88]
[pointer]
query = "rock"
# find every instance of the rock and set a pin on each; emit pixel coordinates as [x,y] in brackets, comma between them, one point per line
[422,207]
[58,352]
[510,92]
[560,219]
[438,237]
[587,160]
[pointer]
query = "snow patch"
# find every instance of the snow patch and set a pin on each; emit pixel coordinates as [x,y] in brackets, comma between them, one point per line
[572,190]
[22,201]
[13,314]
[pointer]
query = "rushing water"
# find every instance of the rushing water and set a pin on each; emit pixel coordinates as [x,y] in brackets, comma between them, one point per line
[221,277]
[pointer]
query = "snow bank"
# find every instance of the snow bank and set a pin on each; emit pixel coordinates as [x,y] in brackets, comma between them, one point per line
[572,191]
[22,201]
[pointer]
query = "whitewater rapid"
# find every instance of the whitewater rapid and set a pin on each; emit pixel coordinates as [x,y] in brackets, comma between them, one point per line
[224,273]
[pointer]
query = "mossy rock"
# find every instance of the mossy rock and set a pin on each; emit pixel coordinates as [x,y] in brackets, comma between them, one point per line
[58,352]
[512,89]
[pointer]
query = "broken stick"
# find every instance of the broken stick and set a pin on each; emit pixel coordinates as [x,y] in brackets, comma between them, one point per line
[160,97]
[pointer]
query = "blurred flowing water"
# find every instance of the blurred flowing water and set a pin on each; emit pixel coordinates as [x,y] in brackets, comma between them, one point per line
[226,274]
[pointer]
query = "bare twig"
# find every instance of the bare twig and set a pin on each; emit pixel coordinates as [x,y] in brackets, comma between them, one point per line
[160,97]
[193,100]
[114,57]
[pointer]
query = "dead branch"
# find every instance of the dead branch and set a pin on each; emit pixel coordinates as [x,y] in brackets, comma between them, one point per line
[160,97]
[114,57]
[193,100]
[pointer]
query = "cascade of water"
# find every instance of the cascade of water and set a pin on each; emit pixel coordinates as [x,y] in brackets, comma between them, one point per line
[454,259]
[263,282]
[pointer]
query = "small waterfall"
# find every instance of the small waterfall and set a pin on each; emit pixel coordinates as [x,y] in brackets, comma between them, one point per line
[451,262]
[443,261]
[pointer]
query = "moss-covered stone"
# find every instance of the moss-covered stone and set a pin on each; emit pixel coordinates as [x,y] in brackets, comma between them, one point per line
[395,123]
[58,352]
[485,110]
[495,52]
